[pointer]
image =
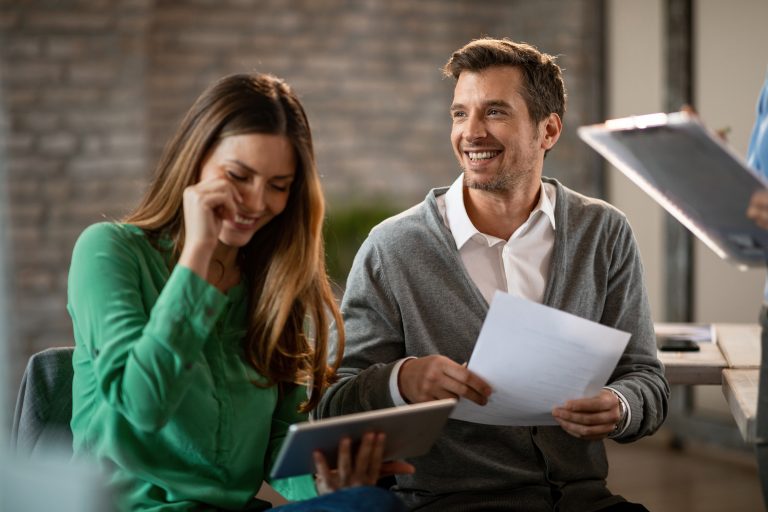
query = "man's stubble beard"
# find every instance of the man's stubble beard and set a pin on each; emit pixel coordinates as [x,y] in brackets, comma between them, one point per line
[502,181]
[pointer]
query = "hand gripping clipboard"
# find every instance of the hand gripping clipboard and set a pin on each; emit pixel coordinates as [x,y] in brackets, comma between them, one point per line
[692,174]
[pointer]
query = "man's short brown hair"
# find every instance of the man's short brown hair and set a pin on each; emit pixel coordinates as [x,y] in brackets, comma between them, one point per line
[543,80]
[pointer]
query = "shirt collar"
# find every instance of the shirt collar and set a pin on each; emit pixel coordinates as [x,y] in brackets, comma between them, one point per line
[456,214]
[460,224]
[545,204]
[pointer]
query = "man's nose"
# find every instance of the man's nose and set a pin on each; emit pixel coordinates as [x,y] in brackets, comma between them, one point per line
[474,128]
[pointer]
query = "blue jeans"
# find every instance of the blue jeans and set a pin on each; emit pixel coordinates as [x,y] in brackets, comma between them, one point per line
[366,499]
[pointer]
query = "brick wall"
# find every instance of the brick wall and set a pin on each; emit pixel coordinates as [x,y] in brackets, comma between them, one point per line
[91,89]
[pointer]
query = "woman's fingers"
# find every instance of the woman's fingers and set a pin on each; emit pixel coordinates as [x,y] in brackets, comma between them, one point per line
[363,458]
[206,205]
[377,456]
[217,194]
[369,458]
[323,475]
[345,462]
[365,468]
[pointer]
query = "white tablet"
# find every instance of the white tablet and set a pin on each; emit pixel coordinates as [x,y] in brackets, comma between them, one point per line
[411,430]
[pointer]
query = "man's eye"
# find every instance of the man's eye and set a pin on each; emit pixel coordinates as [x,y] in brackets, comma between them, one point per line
[235,176]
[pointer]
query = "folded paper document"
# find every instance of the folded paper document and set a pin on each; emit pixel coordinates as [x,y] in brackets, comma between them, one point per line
[536,358]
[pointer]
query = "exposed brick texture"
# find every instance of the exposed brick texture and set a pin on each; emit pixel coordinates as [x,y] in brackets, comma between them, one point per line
[91,89]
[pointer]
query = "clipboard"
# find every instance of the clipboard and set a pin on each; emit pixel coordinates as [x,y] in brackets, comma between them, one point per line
[692,174]
[411,431]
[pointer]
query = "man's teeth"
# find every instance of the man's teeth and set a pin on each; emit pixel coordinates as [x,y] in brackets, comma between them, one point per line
[243,220]
[482,155]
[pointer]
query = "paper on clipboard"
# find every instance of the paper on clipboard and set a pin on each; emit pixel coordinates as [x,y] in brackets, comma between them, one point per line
[692,174]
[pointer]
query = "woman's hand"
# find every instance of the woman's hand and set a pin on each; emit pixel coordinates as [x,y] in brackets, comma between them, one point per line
[367,468]
[206,205]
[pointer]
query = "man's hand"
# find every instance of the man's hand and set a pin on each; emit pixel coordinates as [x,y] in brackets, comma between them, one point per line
[758,208]
[590,418]
[436,377]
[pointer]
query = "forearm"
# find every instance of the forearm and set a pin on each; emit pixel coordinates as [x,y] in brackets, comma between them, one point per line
[358,390]
[144,376]
[639,375]
[143,332]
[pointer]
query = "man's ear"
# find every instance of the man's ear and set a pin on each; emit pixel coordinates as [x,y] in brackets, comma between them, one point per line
[551,128]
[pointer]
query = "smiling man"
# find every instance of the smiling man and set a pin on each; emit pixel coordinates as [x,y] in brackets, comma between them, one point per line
[420,286]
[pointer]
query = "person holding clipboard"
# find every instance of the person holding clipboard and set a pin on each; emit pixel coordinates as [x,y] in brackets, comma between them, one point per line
[757,158]
[201,324]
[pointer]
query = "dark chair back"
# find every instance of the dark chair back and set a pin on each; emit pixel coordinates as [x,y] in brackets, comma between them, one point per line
[44,405]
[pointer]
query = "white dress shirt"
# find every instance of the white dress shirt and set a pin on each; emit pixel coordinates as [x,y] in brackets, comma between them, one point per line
[520,265]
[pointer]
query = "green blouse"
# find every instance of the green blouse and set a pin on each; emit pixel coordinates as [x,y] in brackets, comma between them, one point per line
[162,394]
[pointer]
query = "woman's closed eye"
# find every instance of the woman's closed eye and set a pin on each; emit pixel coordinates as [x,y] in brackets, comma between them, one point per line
[237,176]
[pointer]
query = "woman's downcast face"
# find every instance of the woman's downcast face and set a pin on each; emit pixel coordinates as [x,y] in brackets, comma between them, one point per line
[262,168]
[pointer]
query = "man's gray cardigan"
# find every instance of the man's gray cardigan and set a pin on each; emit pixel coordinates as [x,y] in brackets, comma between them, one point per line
[408,294]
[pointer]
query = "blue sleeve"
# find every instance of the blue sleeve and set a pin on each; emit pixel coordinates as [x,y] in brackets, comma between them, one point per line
[757,156]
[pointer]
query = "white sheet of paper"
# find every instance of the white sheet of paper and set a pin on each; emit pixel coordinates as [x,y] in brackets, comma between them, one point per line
[535,358]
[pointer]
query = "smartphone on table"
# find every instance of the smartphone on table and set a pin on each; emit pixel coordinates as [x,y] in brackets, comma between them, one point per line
[676,343]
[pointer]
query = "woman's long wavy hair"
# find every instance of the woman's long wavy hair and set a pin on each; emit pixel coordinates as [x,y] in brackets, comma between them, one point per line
[283,264]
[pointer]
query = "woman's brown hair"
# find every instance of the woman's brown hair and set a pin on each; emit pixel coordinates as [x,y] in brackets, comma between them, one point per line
[283,264]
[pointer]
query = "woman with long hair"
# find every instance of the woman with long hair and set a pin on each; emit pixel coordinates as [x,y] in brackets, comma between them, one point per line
[201,320]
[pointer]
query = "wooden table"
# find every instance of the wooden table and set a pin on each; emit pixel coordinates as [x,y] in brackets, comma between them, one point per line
[731,361]
[740,390]
[695,368]
[735,346]
[740,345]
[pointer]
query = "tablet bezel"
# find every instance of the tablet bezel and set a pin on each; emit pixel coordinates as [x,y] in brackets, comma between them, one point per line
[411,431]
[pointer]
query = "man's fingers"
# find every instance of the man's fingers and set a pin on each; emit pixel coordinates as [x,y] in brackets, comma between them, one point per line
[605,401]
[456,389]
[586,432]
[589,419]
[435,377]
[466,384]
